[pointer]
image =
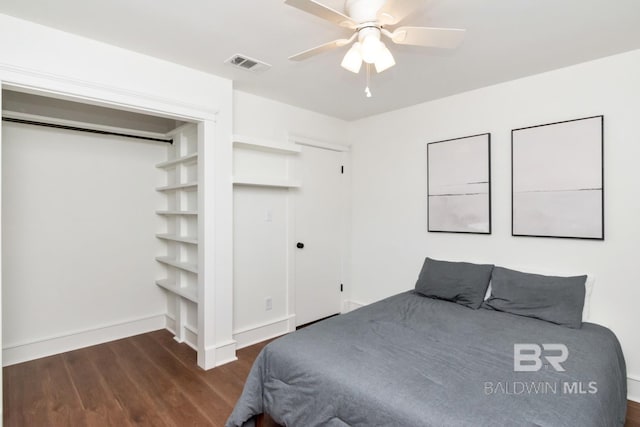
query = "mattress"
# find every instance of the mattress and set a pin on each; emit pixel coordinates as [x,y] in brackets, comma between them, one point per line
[409,360]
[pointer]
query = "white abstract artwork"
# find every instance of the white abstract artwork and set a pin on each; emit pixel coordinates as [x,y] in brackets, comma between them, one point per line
[557,180]
[459,185]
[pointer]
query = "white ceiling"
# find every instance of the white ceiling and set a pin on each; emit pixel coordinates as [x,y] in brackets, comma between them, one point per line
[506,39]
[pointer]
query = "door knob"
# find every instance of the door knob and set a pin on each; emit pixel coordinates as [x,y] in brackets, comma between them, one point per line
[299,245]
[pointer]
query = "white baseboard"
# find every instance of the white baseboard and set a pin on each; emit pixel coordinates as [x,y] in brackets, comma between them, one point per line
[191,333]
[215,355]
[18,353]
[191,337]
[225,352]
[255,334]
[633,388]
[349,305]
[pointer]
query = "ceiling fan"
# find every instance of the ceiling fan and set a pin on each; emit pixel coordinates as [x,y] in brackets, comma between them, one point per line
[371,19]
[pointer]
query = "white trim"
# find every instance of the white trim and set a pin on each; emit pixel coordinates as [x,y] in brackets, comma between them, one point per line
[271,329]
[312,142]
[191,337]
[86,125]
[71,89]
[1,360]
[170,323]
[291,257]
[22,352]
[351,305]
[243,141]
[225,352]
[633,388]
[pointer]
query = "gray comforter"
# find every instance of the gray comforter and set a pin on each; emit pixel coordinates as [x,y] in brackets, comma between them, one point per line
[409,360]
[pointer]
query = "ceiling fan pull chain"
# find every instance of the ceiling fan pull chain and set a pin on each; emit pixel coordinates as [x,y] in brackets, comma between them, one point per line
[367,91]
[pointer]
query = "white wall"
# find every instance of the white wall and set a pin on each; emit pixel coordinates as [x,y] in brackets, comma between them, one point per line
[43,51]
[78,235]
[260,257]
[264,118]
[389,234]
[48,61]
[262,252]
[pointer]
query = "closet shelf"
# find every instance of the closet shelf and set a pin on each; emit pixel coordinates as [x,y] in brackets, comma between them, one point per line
[243,141]
[189,293]
[176,238]
[174,187]
[177,212]
[192,268]
[266,182]
[185,159]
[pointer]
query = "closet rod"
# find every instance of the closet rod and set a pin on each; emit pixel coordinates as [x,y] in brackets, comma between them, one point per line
[80,129]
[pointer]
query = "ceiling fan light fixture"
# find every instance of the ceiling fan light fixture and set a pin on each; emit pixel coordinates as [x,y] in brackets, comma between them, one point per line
[385,60]
[370,48]
[352,60]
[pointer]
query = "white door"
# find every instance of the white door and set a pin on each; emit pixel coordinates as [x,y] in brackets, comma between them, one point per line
[319,233]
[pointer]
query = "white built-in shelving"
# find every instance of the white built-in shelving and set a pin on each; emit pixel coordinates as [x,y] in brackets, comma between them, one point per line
[172,287]
[189,158]
[178,213]
[174,262]
[266,182]
[259,144]
[177,236]
[272,159]
[184,186]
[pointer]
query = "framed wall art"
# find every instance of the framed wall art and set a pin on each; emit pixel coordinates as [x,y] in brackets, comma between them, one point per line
[459,185]
[557,179]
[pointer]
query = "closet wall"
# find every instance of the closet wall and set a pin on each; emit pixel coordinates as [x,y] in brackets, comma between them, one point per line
[78,231]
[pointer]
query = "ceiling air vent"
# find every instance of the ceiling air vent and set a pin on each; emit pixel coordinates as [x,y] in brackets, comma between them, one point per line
[246,63]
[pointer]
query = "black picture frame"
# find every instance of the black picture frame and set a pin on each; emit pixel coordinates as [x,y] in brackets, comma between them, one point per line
[566,199]
[459,185]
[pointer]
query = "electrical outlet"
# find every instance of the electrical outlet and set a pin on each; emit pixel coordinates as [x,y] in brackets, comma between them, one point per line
[268,303]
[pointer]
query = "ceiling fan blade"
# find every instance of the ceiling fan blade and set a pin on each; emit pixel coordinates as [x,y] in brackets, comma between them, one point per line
[322,11]
[448,38]
[319,49]
[394,11]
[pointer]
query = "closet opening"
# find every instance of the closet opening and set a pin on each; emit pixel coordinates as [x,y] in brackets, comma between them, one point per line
[100,225]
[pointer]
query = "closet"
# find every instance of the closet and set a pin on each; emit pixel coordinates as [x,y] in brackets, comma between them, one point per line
[100,226]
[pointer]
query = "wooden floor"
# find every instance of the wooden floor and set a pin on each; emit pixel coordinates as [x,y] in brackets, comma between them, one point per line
[143,380]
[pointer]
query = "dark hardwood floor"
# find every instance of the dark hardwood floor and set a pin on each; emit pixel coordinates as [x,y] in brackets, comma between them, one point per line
[633,414]
[144,380]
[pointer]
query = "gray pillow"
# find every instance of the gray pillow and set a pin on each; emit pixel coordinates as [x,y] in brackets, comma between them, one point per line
[461,282]
[555,299]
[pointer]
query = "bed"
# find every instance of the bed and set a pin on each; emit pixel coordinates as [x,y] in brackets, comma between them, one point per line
[410,360]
